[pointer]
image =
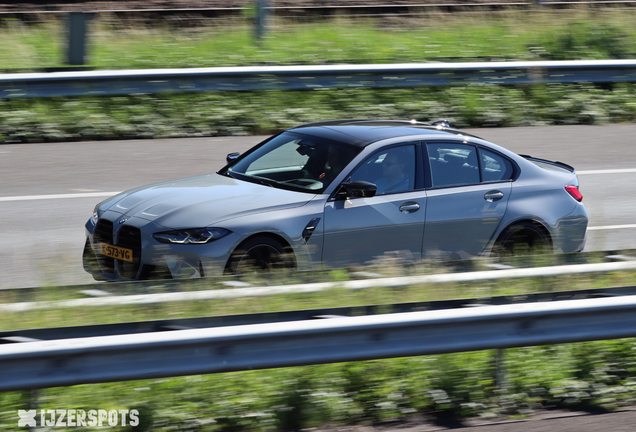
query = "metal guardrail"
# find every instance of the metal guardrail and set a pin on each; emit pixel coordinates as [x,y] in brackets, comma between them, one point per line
[213,350]
[163,325]
[219,294]
[108,83]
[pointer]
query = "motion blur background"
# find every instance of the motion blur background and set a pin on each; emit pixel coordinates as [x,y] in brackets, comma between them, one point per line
[65,145]
[184,34]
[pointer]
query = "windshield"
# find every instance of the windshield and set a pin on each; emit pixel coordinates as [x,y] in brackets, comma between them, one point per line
[294,161]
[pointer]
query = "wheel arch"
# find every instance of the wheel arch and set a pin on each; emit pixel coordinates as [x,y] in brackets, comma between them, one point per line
[270,235]
[535,223]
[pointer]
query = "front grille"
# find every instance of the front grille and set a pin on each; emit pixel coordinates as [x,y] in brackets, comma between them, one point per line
[130,238]
[104,234]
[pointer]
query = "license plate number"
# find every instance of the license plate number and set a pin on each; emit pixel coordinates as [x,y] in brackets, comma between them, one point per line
[116,252]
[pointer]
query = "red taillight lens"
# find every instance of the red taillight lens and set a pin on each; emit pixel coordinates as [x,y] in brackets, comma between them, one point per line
[574,191]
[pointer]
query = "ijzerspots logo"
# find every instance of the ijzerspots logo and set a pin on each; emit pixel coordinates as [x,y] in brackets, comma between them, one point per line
[77,417]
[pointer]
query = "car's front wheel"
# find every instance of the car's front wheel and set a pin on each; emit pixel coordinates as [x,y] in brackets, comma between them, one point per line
[260,255]
[521,239]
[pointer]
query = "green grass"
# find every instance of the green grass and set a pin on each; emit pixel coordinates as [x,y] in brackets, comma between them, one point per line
[115,45]
[509,36]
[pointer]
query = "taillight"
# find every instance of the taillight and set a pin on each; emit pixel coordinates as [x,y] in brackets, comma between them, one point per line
[574,191]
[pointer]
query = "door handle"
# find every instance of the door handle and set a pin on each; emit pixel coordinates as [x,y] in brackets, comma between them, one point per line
[409,207]
[493,195]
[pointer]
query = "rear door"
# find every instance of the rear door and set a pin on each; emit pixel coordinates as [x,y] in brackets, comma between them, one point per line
[468,189]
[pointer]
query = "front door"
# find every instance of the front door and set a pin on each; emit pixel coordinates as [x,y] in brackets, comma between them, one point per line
[389,225]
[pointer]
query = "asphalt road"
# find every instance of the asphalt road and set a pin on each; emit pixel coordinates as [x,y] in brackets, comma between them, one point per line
[546,421]
[45,189]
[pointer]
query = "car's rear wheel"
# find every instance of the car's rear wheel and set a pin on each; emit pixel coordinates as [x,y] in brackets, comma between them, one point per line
[260,255]
[522,239]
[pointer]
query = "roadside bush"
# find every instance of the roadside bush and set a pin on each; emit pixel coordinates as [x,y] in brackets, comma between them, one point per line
[585,40]
[227,114]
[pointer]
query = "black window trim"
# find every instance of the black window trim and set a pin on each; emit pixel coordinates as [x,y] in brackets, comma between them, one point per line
[428,180]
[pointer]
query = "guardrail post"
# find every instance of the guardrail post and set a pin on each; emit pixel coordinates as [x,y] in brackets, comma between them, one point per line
[262,12]
[77,26]
[500,371]
[34,404]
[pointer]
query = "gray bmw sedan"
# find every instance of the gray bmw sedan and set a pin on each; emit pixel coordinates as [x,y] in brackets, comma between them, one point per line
[339,194]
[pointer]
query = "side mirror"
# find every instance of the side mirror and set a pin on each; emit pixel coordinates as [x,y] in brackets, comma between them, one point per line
[357,189]
[232,157]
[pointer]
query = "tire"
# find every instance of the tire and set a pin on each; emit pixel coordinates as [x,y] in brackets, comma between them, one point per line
[522,239]
[260,255]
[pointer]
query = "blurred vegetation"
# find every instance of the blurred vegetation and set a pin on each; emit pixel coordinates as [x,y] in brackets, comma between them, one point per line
[449,388]
[514,36]
[336,297]
[184,42]
[253,113]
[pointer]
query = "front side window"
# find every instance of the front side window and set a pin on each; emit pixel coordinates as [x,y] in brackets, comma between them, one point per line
[391,170]
[294,161]
[453,164]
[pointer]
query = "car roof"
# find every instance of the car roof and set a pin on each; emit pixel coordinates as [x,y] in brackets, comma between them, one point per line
[364,132]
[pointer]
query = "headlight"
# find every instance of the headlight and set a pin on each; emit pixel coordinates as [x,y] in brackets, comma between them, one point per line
[95,215]
[191,236]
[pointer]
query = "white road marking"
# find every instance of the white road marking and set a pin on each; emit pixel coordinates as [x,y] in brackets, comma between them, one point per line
[58,196]
[611,227]
[608,171]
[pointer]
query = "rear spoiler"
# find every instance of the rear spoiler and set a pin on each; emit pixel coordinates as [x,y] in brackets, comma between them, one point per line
[557,163]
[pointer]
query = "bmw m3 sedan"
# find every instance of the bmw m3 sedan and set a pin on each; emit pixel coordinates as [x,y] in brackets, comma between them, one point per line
[341,194]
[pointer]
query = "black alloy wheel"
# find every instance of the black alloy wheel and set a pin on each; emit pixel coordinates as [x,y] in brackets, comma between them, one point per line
[260,255]
[522,239]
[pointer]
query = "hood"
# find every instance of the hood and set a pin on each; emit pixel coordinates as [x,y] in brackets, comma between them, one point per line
[202,201]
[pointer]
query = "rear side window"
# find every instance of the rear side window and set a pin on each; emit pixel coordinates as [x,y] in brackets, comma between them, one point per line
[453,164]
[494,167]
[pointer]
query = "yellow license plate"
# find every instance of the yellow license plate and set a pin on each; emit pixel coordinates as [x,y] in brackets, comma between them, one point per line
[116,252]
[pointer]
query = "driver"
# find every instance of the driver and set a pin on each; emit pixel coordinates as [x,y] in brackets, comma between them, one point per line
[335,163]
[394,175]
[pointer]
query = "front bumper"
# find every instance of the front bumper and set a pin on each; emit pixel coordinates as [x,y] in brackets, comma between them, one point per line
[150,259]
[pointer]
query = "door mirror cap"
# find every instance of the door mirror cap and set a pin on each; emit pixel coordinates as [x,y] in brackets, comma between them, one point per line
[357,189]
[232,157]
